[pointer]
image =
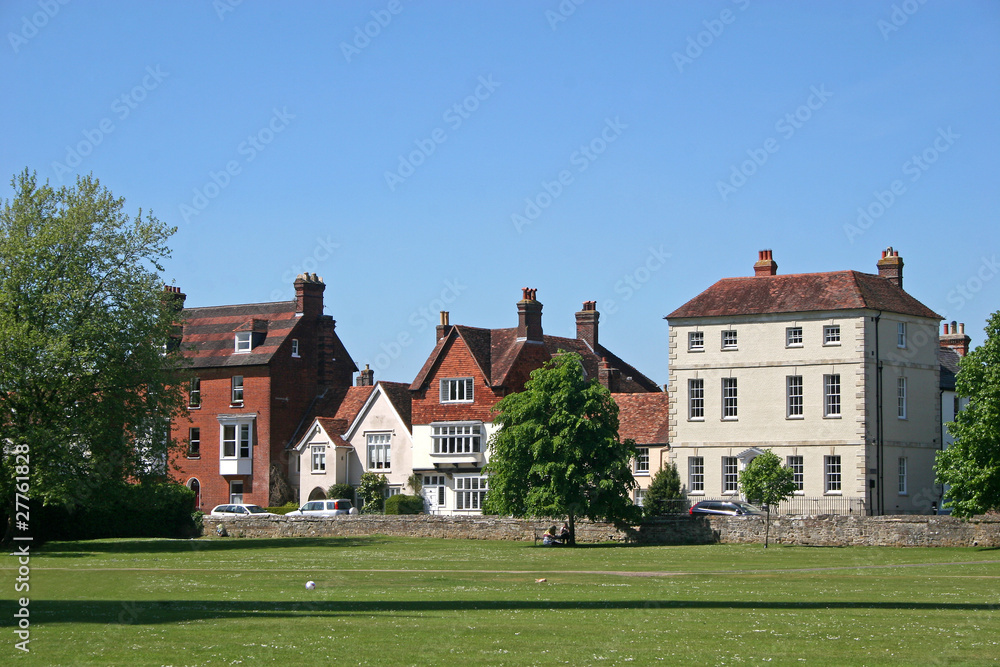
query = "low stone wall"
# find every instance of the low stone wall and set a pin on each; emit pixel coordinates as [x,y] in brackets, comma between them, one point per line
[827,530]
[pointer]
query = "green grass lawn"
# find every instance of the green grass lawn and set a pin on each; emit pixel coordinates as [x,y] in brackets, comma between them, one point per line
[394,601]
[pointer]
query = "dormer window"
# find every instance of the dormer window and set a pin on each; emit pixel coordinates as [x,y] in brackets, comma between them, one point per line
[243,341]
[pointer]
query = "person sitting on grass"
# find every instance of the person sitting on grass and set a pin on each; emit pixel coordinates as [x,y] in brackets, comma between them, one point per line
[549,538]
[563,536]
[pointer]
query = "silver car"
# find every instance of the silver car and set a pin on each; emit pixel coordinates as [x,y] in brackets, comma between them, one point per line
[240,510]
[324,508]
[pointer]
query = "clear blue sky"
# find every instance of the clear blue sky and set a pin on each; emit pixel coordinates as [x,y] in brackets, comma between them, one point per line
[265,132]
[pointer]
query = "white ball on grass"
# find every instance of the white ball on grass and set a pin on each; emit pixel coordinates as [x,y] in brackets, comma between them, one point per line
[310,585]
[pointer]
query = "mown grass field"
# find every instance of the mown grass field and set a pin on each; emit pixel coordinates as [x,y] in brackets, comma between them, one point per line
[393,601]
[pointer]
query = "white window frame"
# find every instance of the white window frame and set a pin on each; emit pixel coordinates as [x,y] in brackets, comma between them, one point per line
[642,460]
[696,341]
[457,390]
[639,497]
[730,475]
[901,469]
[696,399]
[434,484]
[794,397]
[379,451]
[236,497]
[451,438]
[295,347]
[194,442]
[470,492]
[832,396]
[236,390]
[317,459]
[833,475]
[730,399]
[194,393]
[901,397]
[696,475]
[798,467]
[243,341]
[241,439]
[831,334]
[793,337]
[730,339]
[901,335]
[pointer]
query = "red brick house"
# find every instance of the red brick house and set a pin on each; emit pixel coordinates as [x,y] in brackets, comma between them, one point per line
[255,372]
[469,370]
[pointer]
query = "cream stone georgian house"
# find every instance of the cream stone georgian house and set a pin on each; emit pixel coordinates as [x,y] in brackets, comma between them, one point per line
[836,372]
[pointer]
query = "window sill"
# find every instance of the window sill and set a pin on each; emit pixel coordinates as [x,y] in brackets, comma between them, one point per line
[729,349]
[795,417]
[730,419]
[696,349]
[194,407]
[833,493]
[696,419]
[791,345]
[730,493]
[831,344]
[317,472]
[696,493]
[194,457]
[457,402]
[236,405]
[644,473]
[832,416]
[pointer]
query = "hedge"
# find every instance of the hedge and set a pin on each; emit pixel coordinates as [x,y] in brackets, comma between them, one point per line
[403,504]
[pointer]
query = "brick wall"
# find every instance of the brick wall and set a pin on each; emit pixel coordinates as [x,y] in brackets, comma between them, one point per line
[456,361]
[924,531]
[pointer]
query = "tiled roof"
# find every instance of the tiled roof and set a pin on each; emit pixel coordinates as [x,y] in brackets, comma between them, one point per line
[497,352]
[209,333]
[948,359]
[804,292]
[399,395]
[644,418]
[333,426]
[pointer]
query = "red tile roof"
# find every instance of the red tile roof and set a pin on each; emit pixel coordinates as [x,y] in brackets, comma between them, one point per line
[804,292]
[644,418]
[497,351]
[209,333]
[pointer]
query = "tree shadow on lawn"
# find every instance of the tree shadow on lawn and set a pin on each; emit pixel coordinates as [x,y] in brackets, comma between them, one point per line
[147,612]
[85,548]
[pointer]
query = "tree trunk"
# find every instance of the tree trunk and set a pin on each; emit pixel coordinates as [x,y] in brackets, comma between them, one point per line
[767,525]
[572,530]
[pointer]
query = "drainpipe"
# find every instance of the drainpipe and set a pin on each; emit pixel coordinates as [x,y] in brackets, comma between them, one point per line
[878,420]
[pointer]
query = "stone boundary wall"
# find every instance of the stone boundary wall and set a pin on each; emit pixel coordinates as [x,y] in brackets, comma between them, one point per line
[827,530]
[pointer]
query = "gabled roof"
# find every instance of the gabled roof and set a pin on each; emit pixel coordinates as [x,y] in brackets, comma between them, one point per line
[948,359]
[333,428]
[644,418]
[340,407]
[497,351]
[399,396]
[209,333]
[803,292]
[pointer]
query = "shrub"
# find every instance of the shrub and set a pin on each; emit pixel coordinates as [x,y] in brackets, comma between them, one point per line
[403,504]
[664,495]
[340,491]
[372,492]
[284,509]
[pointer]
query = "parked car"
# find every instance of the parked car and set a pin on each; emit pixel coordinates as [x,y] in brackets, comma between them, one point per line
[240,510]
[725,507]
[324,508]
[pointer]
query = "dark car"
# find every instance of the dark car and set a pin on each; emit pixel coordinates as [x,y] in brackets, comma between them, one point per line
[726,507]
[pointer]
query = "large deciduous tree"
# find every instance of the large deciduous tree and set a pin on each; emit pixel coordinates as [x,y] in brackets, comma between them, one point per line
[557,450]
[765,480]
[87,369]
[970,466]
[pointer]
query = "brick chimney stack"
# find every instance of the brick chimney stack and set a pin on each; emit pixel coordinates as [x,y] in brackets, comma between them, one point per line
[607,375]
[955,338]
[174,296]
[586,324]
[366,377]
[529,316]
[309,295]
[891,267]
[442,328]
[765,265]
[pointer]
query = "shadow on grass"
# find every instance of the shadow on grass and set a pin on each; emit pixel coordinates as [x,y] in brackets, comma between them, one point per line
[87,548]
[147,612]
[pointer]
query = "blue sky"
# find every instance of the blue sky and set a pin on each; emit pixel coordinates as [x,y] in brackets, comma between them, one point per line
[429,155]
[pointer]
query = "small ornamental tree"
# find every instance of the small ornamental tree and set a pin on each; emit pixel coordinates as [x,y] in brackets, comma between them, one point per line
[557,451]
[341,491]
[971,464]
[664,495]
[372,492]
[768,482]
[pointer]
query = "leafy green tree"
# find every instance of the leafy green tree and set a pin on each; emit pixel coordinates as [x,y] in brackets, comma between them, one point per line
[372,491]
[971,464]
[557,451]
[341,491]
[765,480]
[87,364]
[664,495]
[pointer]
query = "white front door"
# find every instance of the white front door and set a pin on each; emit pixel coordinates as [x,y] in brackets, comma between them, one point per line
[433,493]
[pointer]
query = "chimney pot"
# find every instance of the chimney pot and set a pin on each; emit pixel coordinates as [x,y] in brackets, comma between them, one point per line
[890,267]
[443,326]
[765,266]
[586,324]
[529,316]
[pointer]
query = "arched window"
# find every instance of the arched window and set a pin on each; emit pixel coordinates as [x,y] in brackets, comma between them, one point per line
[195,486]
